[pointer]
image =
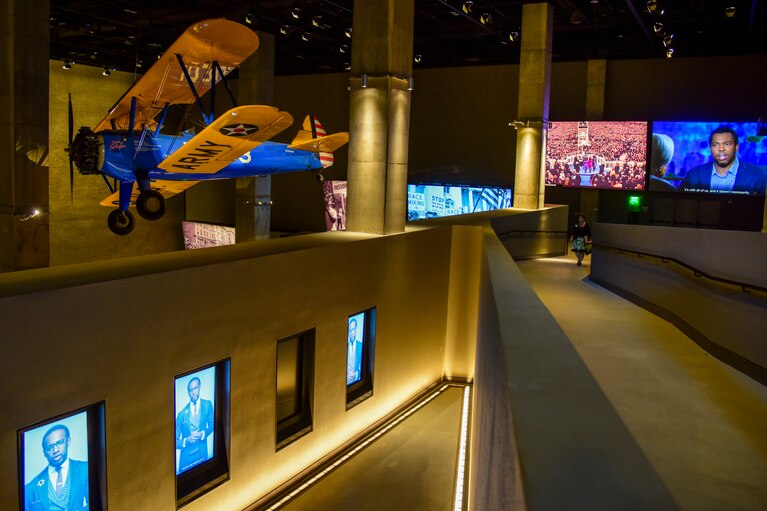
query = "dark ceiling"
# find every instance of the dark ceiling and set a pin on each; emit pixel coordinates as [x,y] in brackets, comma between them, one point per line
[128,34]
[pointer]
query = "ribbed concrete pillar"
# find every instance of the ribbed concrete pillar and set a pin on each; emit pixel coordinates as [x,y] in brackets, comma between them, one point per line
[379,122]
[596,78]
[534,89]
[254,194]
[24,239]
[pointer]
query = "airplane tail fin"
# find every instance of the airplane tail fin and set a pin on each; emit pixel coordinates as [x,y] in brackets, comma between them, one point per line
[313,137]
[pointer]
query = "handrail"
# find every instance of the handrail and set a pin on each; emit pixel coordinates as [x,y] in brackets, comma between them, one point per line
[745,287]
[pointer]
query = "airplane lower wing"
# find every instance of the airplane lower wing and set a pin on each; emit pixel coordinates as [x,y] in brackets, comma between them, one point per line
[227,138]
[166,188]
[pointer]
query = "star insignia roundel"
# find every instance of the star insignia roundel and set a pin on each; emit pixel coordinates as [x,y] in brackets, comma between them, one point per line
[239,130]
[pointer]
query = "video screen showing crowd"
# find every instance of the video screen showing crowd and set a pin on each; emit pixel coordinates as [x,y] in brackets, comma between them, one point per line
[597,154]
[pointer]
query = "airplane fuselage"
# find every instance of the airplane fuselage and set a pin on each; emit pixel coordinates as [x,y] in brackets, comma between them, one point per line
[121,154]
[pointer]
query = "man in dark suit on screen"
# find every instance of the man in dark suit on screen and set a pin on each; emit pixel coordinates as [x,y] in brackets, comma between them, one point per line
[727,173]
[63,484]
[194,424]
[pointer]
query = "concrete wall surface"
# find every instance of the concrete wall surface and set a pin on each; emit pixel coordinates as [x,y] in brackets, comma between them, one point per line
[722,314]
[120,330]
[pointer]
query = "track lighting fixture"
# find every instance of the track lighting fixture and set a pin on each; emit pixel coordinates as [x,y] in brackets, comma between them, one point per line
[669,52]
[306,37]
[343,48]
[486,18]
[467,6]
[250,18]
[668,39]
[729,11]
[296,13]
[348,32]
[285,29]
[658,27]
[417,59]
[106,72]
[66,65]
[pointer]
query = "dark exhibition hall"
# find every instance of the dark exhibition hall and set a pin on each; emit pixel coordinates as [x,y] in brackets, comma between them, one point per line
[448,255]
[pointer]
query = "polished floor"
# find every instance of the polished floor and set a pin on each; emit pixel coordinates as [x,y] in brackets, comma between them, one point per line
[701,424]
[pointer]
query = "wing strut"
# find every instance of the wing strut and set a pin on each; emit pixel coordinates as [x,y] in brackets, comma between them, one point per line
[189,81]
[221,73]
[162,118]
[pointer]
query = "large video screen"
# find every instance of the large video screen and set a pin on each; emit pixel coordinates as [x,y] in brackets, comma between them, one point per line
[354,348]
[195,418]
[597,154]
[432,201]
[708,157]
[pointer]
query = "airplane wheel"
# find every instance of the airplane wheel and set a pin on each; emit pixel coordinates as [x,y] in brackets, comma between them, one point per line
[121,222]
[150,205]
[320,177]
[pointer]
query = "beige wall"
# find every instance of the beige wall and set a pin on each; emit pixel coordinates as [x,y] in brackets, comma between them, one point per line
[131,325]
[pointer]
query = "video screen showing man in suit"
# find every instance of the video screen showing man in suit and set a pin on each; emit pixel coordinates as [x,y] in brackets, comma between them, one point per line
[62,484]
[710,157]
[195,419]
[354,348]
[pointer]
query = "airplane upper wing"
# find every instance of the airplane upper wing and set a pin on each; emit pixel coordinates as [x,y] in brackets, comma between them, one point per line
[221,40]
[227,138]
[167,188]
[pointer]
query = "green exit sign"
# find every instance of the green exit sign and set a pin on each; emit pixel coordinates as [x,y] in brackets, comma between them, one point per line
[635,203]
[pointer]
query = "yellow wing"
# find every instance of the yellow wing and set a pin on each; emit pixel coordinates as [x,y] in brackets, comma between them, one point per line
[227,138]
[167,188]
[326,144]
[224,41]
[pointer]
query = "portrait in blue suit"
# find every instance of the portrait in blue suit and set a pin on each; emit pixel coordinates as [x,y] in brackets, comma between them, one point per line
[354,348]
[194,427]
[63,484]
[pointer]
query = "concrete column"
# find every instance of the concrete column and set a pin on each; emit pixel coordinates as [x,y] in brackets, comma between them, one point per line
[254,194]
[382,63]
[596,78]
[534,90]
[24,36]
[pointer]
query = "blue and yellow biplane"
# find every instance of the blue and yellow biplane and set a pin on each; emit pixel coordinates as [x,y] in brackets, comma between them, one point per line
[147,166]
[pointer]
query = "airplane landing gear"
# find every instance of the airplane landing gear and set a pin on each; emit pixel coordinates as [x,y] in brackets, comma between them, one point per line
[150,205]
[121,222]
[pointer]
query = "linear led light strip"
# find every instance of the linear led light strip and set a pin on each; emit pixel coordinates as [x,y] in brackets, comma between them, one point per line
[368,441]
[461,471]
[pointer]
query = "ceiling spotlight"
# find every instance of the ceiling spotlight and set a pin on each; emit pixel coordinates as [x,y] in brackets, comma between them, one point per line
[417,59]
[285,29]
[668,39]
[250,18]
[467,6]
[729,11]
[66,65]
[317,21]
[658,27]
[106,72]
[347,66]
[576,18]
[652,6]
[343,48]
[139,63]
[348,32]
[486,18]
[513,37]
[669,52]
[306,36]
[296,12]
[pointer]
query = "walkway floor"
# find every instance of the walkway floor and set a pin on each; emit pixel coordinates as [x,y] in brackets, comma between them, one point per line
[702,424]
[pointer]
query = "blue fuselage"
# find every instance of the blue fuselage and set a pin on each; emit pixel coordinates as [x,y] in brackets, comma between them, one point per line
[121,161]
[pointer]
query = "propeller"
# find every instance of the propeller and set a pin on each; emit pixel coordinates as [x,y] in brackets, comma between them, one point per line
[71,160]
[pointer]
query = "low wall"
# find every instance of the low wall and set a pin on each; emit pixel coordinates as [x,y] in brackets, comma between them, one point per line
[723,319]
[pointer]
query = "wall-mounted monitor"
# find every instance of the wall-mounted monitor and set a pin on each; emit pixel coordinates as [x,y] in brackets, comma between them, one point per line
[62,463]
[201,418]
[708,157]
[360,350]
[597,154]
[435,200]
[203,235]
[334,193]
